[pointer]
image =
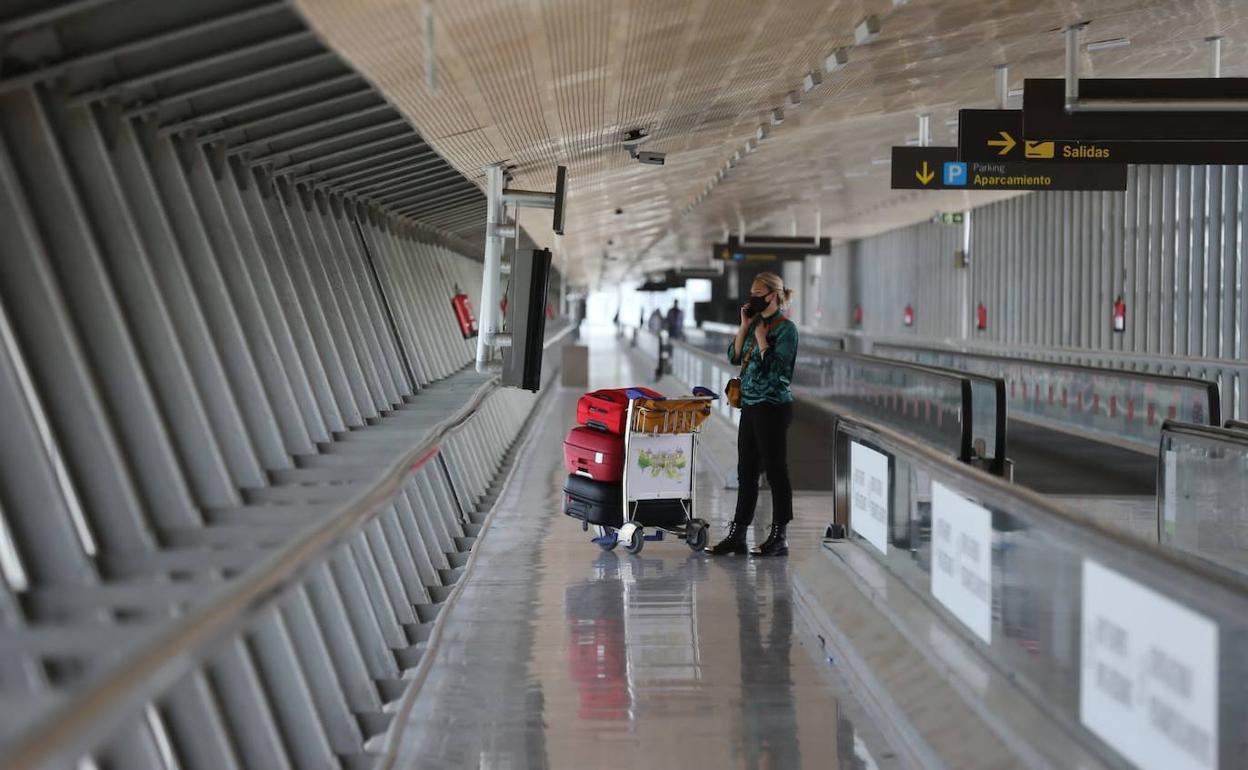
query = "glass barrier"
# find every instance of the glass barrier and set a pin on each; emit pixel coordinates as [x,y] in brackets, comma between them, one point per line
[1139,651]
[934,406]
[1202,493]
[1128,407]
[962,414]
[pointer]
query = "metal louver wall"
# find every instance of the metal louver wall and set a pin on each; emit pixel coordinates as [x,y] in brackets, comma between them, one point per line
[226,274]
[1048,267]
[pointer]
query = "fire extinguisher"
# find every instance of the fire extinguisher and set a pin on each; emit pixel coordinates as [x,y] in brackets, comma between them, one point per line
[907,317]
[857,315]
[981,317]
[463,314]
[502,305]
[1120,315]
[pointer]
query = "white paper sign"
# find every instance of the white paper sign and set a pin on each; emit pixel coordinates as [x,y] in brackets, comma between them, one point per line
[868,495]
[660,467]
[1149,680]
[962,559]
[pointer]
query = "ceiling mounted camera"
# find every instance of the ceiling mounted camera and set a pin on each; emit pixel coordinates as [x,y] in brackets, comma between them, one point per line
[651,158]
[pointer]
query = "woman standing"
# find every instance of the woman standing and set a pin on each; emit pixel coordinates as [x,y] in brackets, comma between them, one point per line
[765,348]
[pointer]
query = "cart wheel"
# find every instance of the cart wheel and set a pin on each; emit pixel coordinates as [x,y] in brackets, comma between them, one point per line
[695,536]
[636,542]
[607,538]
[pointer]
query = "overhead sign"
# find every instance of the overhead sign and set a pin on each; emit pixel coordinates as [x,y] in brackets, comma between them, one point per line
[1148,683]
[869,495]
[962,559]
[996,135]
[1045,115]
[938,168]
[769,248]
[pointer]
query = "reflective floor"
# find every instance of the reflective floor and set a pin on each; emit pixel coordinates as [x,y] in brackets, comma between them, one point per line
[558,654]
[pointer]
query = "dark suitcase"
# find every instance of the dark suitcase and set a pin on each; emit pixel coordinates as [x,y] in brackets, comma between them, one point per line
[608,409]
[595,454]
[594,502]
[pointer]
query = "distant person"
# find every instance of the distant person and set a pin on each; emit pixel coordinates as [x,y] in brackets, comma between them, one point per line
[656,321]
[765,348]
[675,321]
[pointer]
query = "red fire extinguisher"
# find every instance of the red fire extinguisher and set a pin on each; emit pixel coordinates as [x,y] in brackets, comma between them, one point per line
[907,317]
[463,314]
[1120,315]
[502,305]
[550,312]
[857,315]
[981,317]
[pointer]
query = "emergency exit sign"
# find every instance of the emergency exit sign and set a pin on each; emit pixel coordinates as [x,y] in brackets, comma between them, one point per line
[938,168]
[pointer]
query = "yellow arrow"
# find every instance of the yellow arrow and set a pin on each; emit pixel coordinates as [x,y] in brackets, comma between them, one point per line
[1006,143]
[926,175]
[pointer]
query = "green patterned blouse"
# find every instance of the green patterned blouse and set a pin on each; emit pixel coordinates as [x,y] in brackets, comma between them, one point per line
[767,378]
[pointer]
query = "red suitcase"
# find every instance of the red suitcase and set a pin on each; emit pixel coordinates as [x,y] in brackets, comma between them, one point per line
[592,453]
[608,409]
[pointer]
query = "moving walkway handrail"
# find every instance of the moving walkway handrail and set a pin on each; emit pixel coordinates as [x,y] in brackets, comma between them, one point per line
[1204,406]
[1063,594]
[170,651]
[1208,465]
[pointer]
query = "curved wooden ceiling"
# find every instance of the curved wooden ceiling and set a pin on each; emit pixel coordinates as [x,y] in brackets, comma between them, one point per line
[538,83]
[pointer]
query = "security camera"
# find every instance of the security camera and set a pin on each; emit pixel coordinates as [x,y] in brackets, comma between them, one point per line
[652,158]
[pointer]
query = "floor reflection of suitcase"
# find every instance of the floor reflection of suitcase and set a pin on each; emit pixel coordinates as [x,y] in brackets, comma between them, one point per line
[596,656]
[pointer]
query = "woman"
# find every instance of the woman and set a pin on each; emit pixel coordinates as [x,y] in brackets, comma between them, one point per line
[766,343]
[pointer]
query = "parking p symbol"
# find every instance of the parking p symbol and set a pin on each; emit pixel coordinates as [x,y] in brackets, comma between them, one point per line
[955,174]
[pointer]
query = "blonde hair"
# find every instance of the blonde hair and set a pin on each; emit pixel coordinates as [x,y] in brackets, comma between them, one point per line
[775,283]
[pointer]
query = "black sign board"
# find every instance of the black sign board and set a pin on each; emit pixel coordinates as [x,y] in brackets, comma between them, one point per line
[1045,115]
[938,168]
[768,248]
[986,135]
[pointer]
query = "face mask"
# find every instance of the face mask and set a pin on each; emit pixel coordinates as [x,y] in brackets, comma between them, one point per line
[756,305]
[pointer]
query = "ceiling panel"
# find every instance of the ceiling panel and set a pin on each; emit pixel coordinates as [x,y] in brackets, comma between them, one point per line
[538,83]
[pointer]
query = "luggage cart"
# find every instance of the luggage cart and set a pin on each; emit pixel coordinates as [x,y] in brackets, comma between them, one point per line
[659,489]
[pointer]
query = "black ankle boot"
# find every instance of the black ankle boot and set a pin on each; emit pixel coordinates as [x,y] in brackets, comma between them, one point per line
[734,543]
[774,545]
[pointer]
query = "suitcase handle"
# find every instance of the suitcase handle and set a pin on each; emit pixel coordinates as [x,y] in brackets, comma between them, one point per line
[597,425]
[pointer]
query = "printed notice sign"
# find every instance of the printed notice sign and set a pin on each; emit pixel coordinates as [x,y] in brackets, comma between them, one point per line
[868,495]
[1149,680]
[962,559]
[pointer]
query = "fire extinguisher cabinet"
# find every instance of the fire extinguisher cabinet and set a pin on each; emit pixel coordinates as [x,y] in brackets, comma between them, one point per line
[463,314]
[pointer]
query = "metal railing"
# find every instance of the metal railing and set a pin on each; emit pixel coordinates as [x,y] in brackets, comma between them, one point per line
[311,656]
[1126,407]
[1112,637]
[963,414]
[1202,492]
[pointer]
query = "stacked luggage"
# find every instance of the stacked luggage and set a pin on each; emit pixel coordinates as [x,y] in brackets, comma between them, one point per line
[593,454]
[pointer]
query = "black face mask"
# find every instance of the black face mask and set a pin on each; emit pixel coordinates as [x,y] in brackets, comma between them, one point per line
[755,306]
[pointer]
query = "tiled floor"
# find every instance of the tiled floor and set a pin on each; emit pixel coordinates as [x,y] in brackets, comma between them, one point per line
[560,655]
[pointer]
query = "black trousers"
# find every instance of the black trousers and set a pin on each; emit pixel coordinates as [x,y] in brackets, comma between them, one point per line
[762,445]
